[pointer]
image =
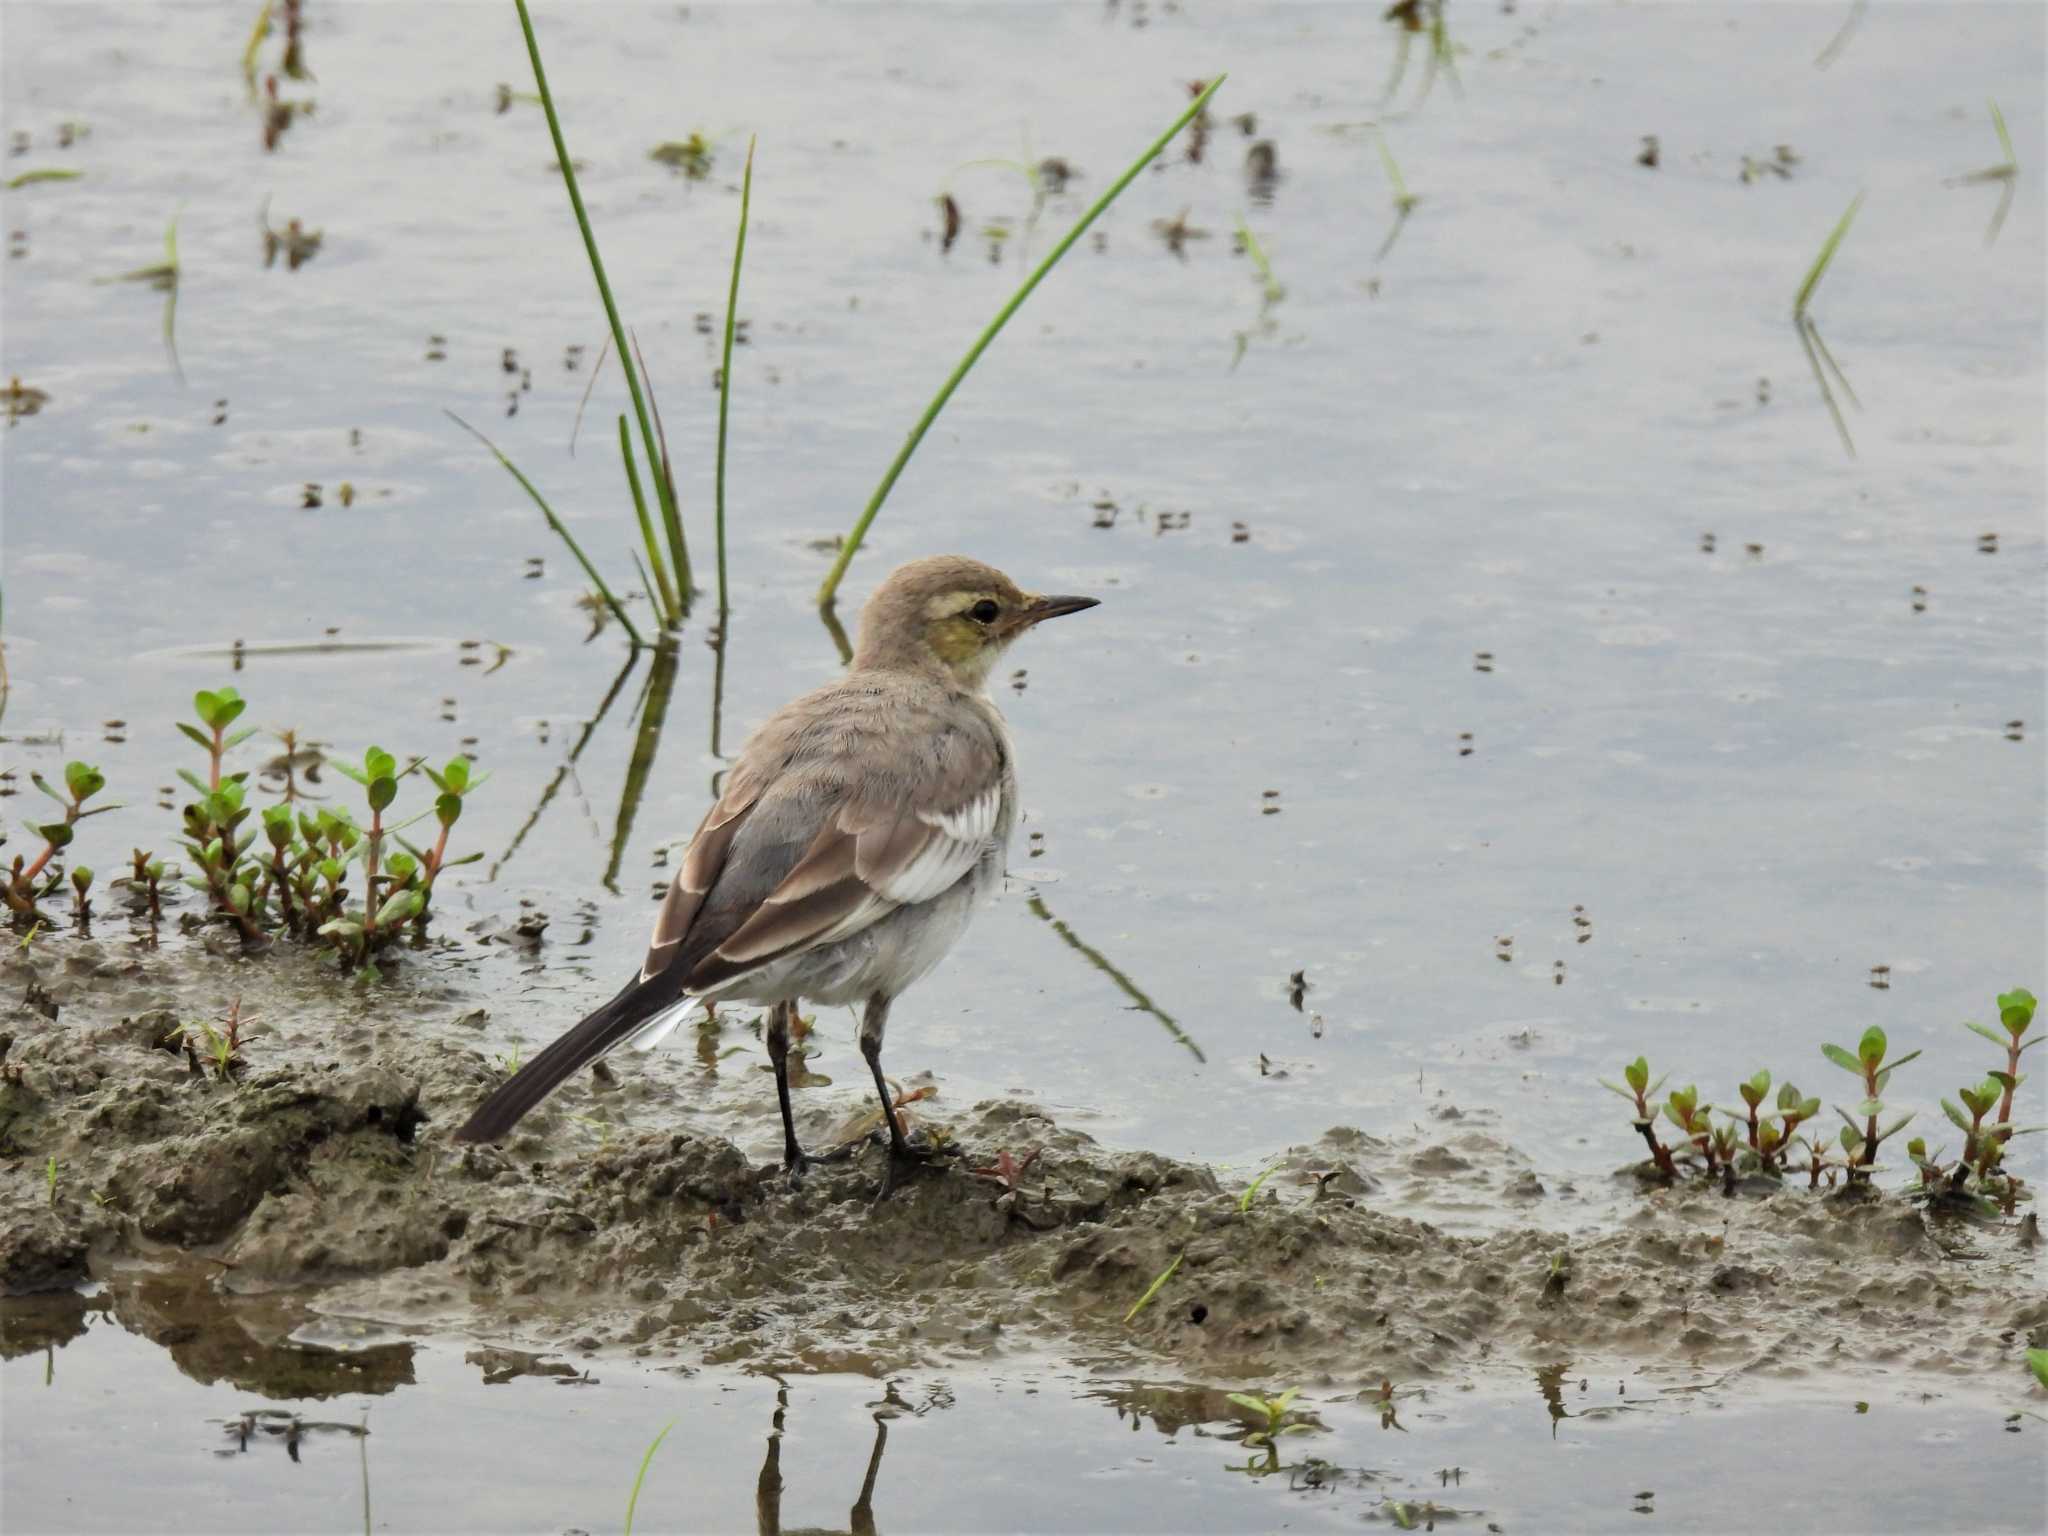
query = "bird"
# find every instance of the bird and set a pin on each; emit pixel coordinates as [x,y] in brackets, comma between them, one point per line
[857,832]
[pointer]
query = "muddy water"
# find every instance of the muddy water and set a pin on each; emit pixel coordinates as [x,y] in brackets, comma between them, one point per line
[1037,1444]
[1705,789]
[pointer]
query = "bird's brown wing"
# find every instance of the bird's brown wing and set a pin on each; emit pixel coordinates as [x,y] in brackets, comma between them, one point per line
[702,863]
[869,858]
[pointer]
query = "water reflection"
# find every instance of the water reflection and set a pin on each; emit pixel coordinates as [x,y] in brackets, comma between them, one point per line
[1108,967]
[547,795]
[860,1520]
[652,714]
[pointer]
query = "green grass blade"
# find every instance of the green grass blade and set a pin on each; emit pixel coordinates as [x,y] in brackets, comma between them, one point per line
[666,610]
[663,483]
[633,1499]
[2004,138]
[732,309]
[1153,1289]
[1244,1201]
[554,522]
[1827,254]
[994,328]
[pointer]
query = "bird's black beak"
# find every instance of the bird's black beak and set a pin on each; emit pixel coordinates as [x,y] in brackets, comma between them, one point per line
[1042,608]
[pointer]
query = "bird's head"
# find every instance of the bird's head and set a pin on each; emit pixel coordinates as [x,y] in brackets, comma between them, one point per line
[952,613]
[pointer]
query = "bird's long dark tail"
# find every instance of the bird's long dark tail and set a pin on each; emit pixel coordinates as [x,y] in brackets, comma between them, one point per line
[636,1003]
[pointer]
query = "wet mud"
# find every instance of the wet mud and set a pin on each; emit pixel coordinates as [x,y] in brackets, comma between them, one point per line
[321,1178]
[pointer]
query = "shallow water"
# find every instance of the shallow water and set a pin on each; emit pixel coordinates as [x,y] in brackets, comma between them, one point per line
[1754,775]
[1037,1445]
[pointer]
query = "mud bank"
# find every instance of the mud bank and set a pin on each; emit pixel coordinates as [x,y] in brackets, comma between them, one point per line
[323,1171]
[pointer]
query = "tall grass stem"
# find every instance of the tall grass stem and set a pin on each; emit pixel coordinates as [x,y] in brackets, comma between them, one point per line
[663,482]
[852,542]
[732,309]
[666,610]
[554,522]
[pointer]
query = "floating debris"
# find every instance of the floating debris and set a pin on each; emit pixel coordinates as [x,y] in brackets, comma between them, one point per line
[309,497]
[1504,947]
[691,156]
[1240,533]
[2015,730]
[1919,599]
[1177,232]
[1706,543]
[1465,747]
[1297,988]
[1652,154]
[297,243]
[1987,543]
[1269,802]
[23,399]
[1482,661]
[1881,978]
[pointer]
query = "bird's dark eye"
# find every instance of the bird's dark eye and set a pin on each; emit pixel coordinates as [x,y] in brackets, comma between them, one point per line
[984,612]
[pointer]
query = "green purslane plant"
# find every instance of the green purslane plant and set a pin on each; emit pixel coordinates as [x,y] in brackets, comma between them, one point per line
[314,873]
[25,882]
[1860,1142]
[1768,1142]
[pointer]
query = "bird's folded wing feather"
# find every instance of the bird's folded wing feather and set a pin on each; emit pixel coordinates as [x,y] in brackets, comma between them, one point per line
[881,845]
[867,861]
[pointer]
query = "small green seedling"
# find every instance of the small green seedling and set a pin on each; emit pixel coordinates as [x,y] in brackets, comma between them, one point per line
[50,1178]
[24,883]
[1638,1092]
[1272,1416]
[639,1477]
[2037,1362]
[1861,1142]
[1244,1201]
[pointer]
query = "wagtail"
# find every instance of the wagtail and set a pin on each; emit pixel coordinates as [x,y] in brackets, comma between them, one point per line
[860,828]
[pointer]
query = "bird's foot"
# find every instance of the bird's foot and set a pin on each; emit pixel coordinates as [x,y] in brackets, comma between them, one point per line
[910,1156]
[796,1162]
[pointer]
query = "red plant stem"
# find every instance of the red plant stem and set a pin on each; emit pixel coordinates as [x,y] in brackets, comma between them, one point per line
[28,875]
[2012,1070]
[370,872]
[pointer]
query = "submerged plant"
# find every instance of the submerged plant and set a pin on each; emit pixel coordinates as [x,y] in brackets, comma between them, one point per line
[1818,357]
[1272,1416]
[163,276]
[1404,200]
[2006,173]
[1412,19]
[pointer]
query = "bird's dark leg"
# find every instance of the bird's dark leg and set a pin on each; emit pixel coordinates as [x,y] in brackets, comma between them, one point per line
[902,1161]
[779,1018]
